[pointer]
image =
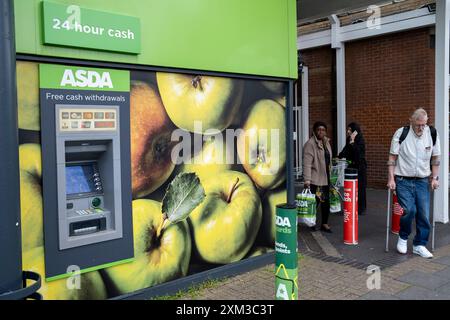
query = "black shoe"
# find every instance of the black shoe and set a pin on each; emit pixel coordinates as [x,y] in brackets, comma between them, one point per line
[313,229]
[327,230]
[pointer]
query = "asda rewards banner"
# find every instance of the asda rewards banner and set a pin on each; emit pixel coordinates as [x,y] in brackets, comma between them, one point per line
[286,260]
[213,146]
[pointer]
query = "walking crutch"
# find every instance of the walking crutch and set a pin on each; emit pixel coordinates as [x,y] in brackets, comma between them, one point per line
[388,222]
[433,229]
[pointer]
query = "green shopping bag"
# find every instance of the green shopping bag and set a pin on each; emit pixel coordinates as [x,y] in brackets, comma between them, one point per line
[335,201]
[306,208]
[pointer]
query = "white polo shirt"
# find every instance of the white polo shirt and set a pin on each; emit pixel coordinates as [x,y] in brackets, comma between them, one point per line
[414,154]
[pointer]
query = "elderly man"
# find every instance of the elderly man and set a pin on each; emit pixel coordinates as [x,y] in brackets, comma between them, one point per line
[413,163]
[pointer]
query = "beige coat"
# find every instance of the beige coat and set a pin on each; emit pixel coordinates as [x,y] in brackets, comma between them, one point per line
[314,167]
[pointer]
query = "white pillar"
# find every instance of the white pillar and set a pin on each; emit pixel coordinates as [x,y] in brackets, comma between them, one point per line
[337,44]
[305,105]
[442,105]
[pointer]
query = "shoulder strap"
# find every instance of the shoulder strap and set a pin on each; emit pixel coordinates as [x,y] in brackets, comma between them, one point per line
[433,134]
[404,134]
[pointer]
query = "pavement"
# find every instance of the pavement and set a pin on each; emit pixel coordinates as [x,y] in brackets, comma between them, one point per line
[331,270]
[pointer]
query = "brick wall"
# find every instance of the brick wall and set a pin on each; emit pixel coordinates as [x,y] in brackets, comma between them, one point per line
[320,64]
[387,78]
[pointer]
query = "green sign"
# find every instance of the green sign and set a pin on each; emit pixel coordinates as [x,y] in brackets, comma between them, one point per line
[286,260]
[73,26]
[83,78]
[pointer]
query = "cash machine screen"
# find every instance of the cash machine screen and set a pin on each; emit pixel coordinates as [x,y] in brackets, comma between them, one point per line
[80,179]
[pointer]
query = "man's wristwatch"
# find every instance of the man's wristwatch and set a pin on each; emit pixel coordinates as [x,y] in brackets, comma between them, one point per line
[436,178]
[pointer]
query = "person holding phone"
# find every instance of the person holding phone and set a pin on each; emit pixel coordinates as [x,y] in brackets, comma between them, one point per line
[355,152]
[316,170]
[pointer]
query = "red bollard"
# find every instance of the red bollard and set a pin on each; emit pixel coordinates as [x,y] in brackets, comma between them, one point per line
[397,212]
[351,207]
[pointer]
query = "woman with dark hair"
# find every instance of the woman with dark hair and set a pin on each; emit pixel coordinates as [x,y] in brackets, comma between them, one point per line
[355,151]
[316,170]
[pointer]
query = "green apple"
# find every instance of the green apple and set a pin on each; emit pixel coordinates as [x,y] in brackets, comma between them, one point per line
[28,95]
[262,145]
[225,224]
[31,206]
[211,101]
[267,231]
[151,145]
[157,259]
[91,286]
[211,159]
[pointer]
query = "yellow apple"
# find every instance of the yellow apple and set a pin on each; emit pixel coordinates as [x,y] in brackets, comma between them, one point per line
[211,101]
[157,259]
[28,95]
[262,145]
[211,159]
[31,206]
[267,231]
[225,224]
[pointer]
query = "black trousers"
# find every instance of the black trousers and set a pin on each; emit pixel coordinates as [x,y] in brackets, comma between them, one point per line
[362,184]
[324,203]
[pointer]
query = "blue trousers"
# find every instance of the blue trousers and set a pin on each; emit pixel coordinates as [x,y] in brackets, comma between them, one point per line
[414,198]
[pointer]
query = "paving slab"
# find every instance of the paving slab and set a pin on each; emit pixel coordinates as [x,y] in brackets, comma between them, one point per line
[445,290]
[418,293]
[376,295]
[424,280]
[443,260]
[443,273]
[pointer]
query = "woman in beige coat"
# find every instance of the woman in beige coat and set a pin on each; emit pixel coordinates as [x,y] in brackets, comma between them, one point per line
[316,170]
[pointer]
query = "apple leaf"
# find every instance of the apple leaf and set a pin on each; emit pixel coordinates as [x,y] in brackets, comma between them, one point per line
[183,195]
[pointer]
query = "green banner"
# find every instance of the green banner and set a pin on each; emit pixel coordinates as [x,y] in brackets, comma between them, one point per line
[74,26]
[83,78]
[286,260]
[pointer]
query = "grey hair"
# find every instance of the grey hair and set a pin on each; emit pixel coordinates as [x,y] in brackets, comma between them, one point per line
[419,114]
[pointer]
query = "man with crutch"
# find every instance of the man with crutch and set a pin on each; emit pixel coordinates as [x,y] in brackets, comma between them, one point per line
[413,166]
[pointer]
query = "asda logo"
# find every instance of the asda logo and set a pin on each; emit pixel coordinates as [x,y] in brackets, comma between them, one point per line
[283,222]
[86,79]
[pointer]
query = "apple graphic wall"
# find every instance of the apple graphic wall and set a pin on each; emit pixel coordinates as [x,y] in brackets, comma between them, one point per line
[230,132]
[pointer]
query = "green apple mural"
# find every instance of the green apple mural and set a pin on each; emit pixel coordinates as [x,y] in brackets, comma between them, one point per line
[31,206]
[225,225]
[157,259]
[91,286]
[211,159]
[151,146]
[267,231]
[262,146]
[28,95]
[211,101]
[212,212]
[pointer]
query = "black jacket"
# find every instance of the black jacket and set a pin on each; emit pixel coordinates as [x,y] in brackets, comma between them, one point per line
[356,153]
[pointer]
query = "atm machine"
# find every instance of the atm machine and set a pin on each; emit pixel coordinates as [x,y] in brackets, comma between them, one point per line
[88,174]
[87,188]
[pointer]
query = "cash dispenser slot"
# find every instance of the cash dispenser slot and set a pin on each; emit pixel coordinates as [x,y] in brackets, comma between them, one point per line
[87,227]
